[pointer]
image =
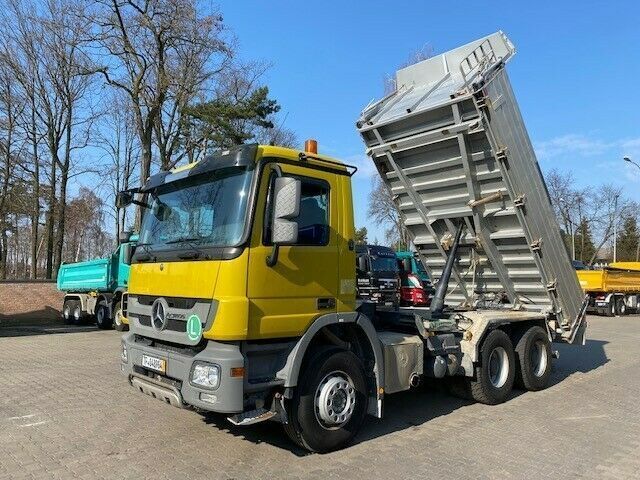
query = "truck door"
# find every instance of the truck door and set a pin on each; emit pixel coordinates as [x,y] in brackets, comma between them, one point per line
[285,298]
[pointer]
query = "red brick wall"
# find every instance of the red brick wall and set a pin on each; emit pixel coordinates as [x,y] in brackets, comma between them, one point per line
[29,303]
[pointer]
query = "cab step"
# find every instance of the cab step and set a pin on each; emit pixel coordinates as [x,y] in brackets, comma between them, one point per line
[252,416]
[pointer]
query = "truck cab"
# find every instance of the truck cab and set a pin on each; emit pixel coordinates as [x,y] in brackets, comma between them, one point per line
[377,275]
[415,286]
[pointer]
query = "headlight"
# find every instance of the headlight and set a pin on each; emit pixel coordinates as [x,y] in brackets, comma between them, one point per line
[123,355]
[205,375]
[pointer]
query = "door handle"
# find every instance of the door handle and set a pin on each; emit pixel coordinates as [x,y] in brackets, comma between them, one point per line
[325,303]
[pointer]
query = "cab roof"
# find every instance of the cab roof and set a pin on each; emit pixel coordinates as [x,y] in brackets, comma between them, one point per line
[242,155]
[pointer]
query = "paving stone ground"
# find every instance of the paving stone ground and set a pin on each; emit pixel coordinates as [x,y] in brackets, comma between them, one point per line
[66,412]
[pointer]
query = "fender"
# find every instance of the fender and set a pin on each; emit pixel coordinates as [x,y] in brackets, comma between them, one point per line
[291,370]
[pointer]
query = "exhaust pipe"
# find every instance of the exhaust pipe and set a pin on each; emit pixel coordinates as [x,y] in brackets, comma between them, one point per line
[437,304]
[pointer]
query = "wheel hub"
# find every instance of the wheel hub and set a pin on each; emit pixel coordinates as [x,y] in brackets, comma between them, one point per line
[498,367]
[335,400]
[539,358]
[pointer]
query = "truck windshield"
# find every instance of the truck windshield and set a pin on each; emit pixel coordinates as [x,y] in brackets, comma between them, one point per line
[207,212]
[384,264]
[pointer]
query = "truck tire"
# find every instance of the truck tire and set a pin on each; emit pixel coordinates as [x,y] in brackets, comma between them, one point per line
[117,318]
[620,306]
[495,374]
[330,402]
[77,317]
[533,358]
[103,320]
[609,310]
[67,311]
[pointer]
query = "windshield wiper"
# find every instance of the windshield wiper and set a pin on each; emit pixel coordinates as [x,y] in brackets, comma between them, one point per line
[148,254]
[191,241]
[182,239]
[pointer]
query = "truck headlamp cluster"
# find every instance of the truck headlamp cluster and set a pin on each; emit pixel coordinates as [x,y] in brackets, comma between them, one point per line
[205,375]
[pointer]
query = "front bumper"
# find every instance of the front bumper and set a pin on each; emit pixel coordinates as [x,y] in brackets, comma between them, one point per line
[175,387]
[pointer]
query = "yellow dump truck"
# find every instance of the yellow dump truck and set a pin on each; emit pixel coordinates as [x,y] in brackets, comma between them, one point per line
[242,294]
[612,290]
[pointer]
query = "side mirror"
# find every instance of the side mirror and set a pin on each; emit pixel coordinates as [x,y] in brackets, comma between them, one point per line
[406,265]
[124,199]
[286,208]
[361,262]
[126,253]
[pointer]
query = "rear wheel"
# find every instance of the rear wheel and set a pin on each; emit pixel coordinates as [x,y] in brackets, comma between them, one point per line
[330,403]
[533,355]
[67,311]
[609,310]
[621,306]
[495,374]
[103,320]
[117,318]
[76,313]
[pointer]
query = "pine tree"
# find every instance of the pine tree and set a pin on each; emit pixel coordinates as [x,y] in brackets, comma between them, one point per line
[627,249]
[361,236]
[584,242]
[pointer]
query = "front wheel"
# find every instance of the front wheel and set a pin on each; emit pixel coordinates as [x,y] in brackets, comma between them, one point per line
[117,318]
[330,403]
[103,320]
[495,374]
[621,306]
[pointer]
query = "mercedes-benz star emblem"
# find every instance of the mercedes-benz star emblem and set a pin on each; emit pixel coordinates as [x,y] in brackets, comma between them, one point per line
[159,314]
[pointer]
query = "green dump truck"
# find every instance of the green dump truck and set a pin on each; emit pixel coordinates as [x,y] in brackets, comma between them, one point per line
[94,289]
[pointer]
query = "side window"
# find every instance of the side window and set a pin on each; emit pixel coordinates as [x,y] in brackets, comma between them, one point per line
[313,220]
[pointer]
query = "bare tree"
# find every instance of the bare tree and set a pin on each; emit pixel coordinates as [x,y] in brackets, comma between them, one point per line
[10,110]
[383,210]
[142,45]
[117,138]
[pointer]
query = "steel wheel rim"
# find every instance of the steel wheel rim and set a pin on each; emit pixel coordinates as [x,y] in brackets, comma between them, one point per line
[100,315]
[66,313]
[117,318]
[335,400]
[498,367]
[76,313]
[539,358]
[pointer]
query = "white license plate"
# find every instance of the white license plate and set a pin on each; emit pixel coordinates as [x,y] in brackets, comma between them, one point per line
[388,304]
[157,364]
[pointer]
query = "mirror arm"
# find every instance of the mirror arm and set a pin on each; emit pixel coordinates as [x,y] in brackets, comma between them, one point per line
[272,258]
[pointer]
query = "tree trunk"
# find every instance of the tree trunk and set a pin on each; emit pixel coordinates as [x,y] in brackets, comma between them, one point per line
[50,219]
[35,213]
[64,177]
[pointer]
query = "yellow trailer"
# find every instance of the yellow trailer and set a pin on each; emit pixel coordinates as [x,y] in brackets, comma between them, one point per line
[613,290]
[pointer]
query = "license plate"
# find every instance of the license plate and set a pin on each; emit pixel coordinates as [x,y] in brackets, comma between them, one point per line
[388,304]
[157,364]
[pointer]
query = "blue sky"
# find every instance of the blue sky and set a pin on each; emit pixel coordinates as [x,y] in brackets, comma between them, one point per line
[576,74]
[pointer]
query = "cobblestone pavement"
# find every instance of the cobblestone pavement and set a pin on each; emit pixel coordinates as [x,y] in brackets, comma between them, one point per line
[66,412]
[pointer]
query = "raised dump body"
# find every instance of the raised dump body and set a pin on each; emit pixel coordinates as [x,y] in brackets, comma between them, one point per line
[451,145]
